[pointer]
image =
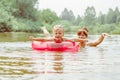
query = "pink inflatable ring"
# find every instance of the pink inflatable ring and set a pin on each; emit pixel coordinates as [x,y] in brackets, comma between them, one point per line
[52,46]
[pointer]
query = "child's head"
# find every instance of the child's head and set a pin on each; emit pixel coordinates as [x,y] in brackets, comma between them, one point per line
[82,33]
[58,31]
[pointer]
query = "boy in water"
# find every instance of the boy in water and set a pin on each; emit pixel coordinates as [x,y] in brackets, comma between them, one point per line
[58,33]
[83,34]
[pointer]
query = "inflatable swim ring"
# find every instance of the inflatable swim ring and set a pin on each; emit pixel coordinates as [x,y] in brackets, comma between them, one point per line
[52,46]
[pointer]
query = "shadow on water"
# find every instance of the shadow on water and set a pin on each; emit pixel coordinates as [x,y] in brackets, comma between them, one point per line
[16,36]
[19,62]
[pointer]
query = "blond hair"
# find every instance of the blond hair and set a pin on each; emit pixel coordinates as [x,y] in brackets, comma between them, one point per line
[58,28]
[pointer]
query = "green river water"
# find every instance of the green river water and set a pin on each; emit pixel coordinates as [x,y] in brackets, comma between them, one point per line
[19,62]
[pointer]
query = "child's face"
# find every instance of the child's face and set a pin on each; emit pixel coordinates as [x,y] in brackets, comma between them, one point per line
[58,33]
[82,34]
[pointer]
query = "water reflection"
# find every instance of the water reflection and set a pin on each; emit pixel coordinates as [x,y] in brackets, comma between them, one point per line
[19,62]
[15,36]
[58,64]
[15,65]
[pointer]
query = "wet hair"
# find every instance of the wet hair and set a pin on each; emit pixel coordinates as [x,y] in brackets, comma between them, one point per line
[84,31]
[58,27]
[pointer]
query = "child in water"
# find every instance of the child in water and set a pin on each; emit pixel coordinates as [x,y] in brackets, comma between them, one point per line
[58,33]
[83,34]
[82,37]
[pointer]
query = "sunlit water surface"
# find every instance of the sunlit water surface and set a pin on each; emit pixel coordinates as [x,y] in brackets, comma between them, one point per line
[19,62]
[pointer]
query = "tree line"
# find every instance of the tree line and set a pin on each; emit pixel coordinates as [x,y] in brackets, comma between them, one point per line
[23,15]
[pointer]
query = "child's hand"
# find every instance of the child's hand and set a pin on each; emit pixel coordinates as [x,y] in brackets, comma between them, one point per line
[31,37]
[105,34]
[83,40]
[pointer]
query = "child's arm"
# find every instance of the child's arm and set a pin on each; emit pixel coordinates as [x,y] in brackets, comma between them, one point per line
[94,44]
[39,39]
[75,40]
[80,40]
[45,31]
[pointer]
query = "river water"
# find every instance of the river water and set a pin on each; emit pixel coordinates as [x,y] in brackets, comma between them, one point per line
[19,62]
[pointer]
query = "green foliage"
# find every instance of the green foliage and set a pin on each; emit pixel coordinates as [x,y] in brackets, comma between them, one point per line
[47,16]
[25,25]
[101,18]
[25,9]
[67,15]
[5,15]
[113,16]
[90,15]
[21,15]
[10,22]
[118,19]
[116,30]
[108,28]
[110,16]
[78,20]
